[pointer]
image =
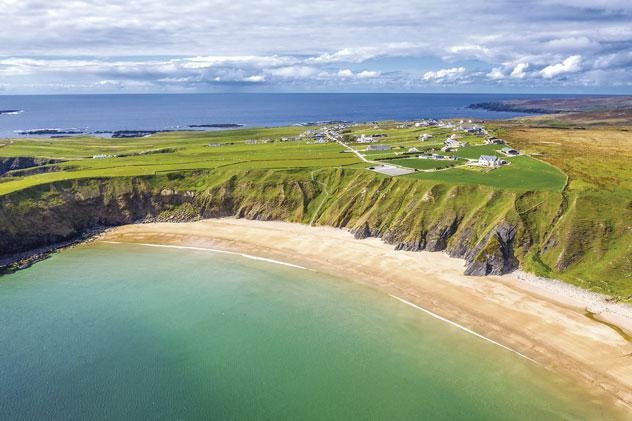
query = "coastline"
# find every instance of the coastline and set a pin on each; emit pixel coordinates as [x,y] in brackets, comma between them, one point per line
[542,320]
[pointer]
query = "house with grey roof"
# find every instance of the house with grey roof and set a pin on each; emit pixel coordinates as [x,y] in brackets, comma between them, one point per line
[490,161]
[510,151]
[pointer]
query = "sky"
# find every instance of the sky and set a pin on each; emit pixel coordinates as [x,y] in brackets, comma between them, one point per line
[137,46]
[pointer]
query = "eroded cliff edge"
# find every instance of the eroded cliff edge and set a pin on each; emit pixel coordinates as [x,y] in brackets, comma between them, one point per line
[495,231]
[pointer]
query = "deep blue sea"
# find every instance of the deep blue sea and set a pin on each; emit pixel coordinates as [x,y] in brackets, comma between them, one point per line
[90,113]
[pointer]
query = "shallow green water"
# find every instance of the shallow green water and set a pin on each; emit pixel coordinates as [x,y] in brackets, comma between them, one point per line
[132,332]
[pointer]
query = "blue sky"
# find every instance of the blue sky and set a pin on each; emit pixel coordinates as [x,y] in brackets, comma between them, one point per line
[81,46]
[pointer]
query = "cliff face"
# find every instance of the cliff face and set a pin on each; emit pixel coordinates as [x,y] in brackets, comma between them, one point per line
[494,231]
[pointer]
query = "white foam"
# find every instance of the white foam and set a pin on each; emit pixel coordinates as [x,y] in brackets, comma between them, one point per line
[436,316]
[247,256]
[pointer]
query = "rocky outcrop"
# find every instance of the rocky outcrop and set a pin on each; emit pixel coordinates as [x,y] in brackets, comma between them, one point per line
[495,254]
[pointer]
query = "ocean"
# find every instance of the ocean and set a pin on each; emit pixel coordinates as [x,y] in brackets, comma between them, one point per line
[107,113]
[105,331]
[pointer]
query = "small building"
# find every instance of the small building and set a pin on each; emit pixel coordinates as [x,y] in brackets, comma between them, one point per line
[413,150]
[452,143]
[215,144]
[494,141]
[510,151]
[365,139]
[378,148]
[490,161]
[424,156]
[250,141]
[425,136]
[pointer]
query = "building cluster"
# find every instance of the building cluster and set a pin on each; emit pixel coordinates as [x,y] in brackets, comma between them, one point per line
[325,134]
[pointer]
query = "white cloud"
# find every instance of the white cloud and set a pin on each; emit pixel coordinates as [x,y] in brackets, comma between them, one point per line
[519,71]
[298,72]
[345,73]
[470,51]
[361,54]
[570,65]
[444,75]
[616,60]
[240,61]
[366,74]
[573,43]
[201,42]
[496,74]
[255,78]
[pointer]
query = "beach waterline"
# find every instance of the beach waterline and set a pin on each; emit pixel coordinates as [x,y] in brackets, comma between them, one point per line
[130,331]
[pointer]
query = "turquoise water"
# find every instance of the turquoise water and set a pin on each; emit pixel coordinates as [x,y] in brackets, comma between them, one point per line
[132,332]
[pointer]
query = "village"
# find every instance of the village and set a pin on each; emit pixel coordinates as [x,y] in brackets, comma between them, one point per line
[393,146]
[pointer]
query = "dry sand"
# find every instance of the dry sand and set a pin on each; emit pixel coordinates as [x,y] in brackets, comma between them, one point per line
[543,320]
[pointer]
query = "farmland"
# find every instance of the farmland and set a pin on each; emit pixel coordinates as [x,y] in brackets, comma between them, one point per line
[235,149]
[169,152]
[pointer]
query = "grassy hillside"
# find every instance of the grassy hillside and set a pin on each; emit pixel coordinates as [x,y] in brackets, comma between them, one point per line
[598,207]
[562,209]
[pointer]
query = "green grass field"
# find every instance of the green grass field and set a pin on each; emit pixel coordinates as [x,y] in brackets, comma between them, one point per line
[184,151]
[523,173]
[190,152]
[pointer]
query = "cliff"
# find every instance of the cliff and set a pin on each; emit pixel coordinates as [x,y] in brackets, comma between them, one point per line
[494,231]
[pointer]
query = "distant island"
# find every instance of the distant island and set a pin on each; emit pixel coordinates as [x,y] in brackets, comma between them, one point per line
[9,112]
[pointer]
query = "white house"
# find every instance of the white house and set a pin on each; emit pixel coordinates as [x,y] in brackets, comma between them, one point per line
[490,161]
[365,139]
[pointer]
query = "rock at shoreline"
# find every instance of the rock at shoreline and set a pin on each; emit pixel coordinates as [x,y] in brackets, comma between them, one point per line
[39,132]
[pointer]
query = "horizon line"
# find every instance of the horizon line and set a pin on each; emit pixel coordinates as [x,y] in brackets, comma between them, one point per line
[314,93]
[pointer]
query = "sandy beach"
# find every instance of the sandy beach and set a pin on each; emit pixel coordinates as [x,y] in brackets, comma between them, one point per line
[558,326]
